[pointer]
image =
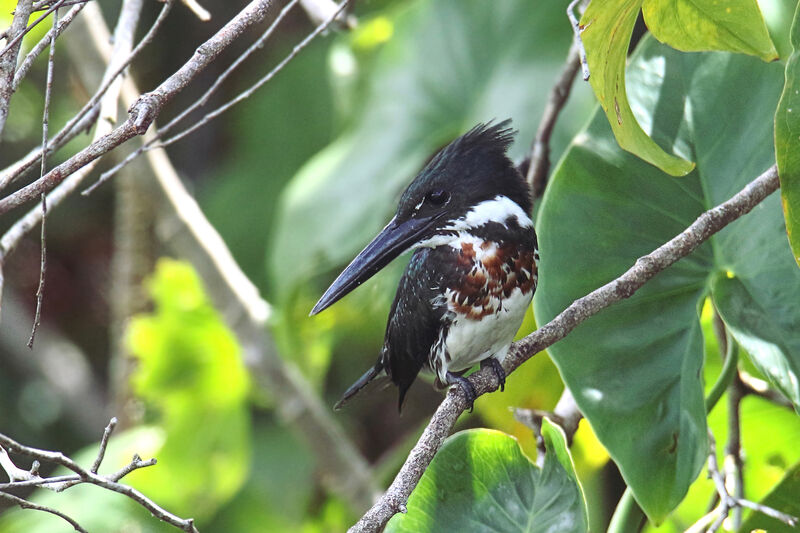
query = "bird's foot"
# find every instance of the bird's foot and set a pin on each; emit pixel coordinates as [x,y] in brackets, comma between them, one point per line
[466,387]
[498,370]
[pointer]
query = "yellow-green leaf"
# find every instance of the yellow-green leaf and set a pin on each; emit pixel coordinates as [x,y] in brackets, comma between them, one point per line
[787,141]
[607,27]
[701,25]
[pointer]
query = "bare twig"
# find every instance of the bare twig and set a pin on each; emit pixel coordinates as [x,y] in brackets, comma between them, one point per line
[8,61]
[203,100]
[83,475]
[539,157]
[198,10]
[152,143]
[45,4]
[144,111]
[576,30]
[25,504]
[759,387]
[566,414]
[729,502]
[99,146]
[710,222]
[37,319]
[103,444]
[57,29]
[17,38]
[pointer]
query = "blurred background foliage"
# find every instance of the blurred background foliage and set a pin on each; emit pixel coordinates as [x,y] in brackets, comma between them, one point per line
[325,147]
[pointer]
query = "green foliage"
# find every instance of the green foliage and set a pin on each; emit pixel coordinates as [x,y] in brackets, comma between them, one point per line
[787,141]
[344,195]
[691,25]
[635,369]
[481,481]
[191,377]
[607,34]
[705,25]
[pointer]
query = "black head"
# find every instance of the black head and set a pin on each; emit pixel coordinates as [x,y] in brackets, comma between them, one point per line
[472,169]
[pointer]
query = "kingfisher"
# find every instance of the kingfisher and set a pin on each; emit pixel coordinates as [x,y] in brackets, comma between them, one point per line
[473,271]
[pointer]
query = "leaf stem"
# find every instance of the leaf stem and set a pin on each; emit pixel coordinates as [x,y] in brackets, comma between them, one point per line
[725,377]
[628,516]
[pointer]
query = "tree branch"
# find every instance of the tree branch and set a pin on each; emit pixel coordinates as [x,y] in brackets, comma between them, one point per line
[539,159]
[441,424]
[81,475]
[144,111]
[8,61]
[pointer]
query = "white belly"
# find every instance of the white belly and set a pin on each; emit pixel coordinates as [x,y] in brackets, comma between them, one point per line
[470,341]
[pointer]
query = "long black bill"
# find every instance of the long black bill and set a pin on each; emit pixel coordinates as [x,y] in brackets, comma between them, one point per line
[395,238]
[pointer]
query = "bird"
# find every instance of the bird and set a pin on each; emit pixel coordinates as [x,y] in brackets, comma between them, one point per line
[473,272]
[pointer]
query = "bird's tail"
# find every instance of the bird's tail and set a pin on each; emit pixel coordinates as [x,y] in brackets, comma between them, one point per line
[360,383]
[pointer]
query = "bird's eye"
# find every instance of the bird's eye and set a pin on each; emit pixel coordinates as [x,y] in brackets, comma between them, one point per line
[437,197]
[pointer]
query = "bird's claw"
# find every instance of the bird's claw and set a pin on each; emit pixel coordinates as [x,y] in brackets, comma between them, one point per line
[466,387]
[498,370]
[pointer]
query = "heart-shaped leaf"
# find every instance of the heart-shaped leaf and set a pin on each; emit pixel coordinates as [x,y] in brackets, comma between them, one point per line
[481,481]
[635,369]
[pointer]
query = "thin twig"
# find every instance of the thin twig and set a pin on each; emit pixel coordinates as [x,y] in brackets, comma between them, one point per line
[27,63]
[483,381]
[25,504]
[566,414]
[37,319]
[96,149]
[88,476]
[152,144]
[203,100]
[8,62]
[17,38]
[103,444]
[576,30]
[44,4]
[729,502]
[759,387]
[145,110]
[198,10]
[539,165]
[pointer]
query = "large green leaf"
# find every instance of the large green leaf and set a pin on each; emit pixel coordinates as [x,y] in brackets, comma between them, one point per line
[481,481]
[635,369]
[787,141]
[699,25]
[608,26]
[449,64]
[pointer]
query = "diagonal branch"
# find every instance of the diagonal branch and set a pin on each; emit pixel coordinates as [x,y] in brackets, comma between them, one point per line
[145,110]
[443,420]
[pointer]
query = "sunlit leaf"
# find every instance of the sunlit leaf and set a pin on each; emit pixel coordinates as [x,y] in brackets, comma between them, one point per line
[701,25]
[481,481]
[787,141]
[608,26]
